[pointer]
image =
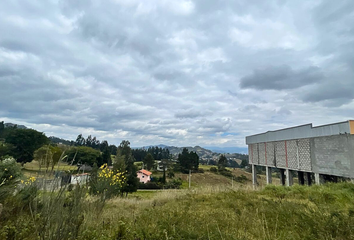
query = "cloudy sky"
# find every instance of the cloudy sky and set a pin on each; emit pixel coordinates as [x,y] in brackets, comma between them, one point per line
[196,72]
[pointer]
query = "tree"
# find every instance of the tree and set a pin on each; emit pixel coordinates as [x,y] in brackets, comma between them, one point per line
[194,159]
[106,156]
[113,149]
[188,161]
[25,142]
[244,163]
[80,140]
[2,129]
[222,163]
[44,156]
[183,161]
[57,154]
[149,161]
[84,155]
[124,152]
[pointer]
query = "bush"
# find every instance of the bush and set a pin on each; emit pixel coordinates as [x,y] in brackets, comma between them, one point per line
[226,173]
[10,171]
[174,184]
[106,181]
[241,179]
[170,173]
[213,169]
[200,170]
[149,185]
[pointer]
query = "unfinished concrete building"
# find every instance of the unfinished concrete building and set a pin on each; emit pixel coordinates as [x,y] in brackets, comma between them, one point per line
[325,151]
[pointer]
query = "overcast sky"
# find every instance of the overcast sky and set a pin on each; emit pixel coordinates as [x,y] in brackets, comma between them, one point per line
[180,73]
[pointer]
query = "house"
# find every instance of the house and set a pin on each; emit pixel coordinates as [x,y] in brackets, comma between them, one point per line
[144,175]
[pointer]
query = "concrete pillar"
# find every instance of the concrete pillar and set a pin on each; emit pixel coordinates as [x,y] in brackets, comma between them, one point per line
[318,178]
[309,179]
[282,176]
[289,178]
[301,177]
[254,176]
[269,175]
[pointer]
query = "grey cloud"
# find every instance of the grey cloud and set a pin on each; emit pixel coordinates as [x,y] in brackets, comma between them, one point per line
[281,77]
[149,71]
[283,111]
[190,113]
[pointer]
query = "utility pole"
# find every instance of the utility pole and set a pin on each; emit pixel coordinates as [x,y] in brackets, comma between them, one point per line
[190,175]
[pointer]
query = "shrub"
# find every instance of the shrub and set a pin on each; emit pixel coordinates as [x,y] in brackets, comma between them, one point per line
[149,185]
[241,179]
[106,181]
[226,173]
[200,170]
[213,169]
[174,184]
[170,173]
[10,171]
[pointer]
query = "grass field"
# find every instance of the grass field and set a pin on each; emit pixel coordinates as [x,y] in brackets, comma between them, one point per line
[32,169]
[299,212]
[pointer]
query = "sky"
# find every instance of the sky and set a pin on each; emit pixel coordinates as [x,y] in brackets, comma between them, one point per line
[181,73]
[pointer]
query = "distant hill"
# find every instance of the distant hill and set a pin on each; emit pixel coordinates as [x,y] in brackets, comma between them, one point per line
[227,149]
[204,152]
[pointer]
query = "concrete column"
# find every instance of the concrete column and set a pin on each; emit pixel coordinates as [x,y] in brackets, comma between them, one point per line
[289,178]
[318,179]
[309,179]
[301,177]
[254,176]
[282,176]
[269,175]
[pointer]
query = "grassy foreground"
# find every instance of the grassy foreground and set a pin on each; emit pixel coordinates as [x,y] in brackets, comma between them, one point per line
[317,212]
[276,212]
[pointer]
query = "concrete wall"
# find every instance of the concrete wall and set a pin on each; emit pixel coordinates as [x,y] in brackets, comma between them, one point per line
[333,155]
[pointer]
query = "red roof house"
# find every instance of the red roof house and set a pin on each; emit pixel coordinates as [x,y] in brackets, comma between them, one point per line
[144,175]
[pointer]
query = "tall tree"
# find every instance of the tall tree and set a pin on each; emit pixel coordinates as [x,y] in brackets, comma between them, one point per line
[188,161]
[106,156]
[194,159]
[80,140]
[222,163]
[25,142]
[124,151]
[44,156]
[183,161]
[149,161]
[2,129]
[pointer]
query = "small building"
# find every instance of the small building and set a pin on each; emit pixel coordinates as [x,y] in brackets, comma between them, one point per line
[80,179]
[144,175]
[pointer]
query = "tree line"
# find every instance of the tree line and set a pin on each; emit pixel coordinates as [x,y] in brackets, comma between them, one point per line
[157,153]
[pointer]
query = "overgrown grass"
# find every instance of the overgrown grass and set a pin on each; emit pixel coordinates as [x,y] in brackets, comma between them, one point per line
[214,212]
[300,212]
